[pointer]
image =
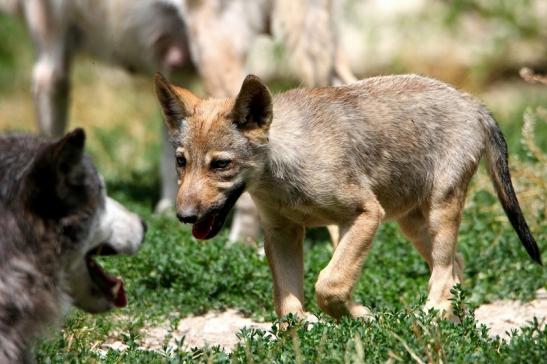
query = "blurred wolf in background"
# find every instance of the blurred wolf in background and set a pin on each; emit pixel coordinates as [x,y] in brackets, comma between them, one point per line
[140,36]
[221,34]
[55,217]
[213,36]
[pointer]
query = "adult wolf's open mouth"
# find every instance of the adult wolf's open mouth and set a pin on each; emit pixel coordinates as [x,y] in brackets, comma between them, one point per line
[111,287]
[209,225]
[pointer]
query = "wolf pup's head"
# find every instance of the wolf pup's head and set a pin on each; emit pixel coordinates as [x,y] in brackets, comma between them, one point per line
[220,144]
[66,193]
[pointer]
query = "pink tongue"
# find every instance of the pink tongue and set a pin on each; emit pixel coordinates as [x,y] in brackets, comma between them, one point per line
[120,300]
[108,283]
[202,229]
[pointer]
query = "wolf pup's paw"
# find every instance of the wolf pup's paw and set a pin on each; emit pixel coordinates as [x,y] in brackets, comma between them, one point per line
[360,311]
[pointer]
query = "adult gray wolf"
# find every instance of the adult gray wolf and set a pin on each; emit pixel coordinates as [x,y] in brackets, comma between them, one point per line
[400,148]
[55,217]
[141,36]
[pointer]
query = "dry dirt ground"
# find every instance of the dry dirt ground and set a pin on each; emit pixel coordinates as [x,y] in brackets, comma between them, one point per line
[220,328]
[505,315]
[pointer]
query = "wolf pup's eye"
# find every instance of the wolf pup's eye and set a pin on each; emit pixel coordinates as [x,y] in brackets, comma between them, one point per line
[220,164]
[181,161]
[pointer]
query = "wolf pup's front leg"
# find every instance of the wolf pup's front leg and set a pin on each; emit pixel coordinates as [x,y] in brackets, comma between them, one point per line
[336,281]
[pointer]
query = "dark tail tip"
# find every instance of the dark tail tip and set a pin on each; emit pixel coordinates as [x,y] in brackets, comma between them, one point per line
[516,218]
[533,251]
[501,177]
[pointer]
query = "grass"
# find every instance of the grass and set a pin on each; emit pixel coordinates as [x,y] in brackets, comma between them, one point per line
[195,277]
[174,275]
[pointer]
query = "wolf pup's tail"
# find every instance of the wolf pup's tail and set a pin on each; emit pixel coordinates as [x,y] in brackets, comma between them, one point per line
[498,168]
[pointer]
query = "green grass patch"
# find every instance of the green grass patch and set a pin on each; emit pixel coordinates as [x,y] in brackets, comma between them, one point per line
[15,53]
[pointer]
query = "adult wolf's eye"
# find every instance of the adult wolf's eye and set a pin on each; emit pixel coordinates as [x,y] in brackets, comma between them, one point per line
[181,161]
[220,163]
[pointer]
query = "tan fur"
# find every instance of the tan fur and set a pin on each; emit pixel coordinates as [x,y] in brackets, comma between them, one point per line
[398,148]
[222,33]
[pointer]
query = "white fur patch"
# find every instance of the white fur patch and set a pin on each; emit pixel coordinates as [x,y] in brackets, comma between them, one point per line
[120,228]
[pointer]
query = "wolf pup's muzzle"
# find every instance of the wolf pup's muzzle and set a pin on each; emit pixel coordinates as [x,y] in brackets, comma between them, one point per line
[209,223]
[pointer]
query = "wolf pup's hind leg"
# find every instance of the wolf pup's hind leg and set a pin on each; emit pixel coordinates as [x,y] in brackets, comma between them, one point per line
[414,227]
[443,222]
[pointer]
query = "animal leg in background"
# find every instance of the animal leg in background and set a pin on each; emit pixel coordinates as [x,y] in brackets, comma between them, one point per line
[50,77]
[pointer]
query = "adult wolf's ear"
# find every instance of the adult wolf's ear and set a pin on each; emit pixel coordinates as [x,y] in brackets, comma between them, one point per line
[56,171]
[60,158]
[67,153]
[176,103]
[253,105]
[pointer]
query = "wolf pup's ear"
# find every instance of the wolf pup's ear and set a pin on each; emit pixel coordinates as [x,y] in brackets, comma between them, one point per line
[253,105]
[176,103]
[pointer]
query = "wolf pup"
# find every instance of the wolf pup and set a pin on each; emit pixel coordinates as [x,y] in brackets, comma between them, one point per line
[55,217]
[397,148]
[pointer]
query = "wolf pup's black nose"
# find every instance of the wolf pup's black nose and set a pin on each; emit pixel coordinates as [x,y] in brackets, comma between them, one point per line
[187,217]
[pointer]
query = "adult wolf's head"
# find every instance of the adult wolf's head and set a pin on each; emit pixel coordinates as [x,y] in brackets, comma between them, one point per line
[220,146]
[63,193]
